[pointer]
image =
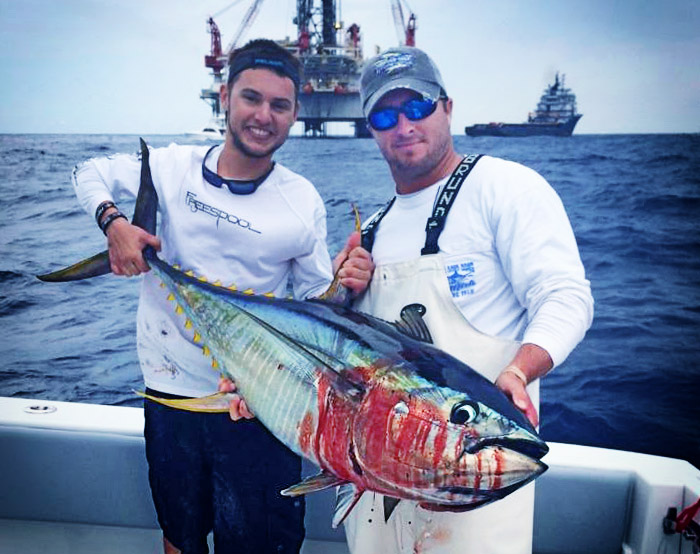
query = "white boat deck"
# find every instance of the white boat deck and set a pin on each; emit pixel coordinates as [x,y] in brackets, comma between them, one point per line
[73,479]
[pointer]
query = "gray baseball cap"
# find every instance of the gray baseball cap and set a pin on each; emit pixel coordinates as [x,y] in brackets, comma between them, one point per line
[401,67]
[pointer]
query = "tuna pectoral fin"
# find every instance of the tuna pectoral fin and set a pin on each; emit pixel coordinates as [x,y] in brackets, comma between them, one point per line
[214,404]
[346,496]
[318,482]
[92,267]
[345,500]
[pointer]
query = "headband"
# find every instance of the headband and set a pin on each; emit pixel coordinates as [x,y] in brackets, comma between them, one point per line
[273,62]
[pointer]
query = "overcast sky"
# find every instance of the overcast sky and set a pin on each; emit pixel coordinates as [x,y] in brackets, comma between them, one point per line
[128,66]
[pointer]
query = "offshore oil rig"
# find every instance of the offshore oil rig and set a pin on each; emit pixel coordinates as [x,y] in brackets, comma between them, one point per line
[330,54]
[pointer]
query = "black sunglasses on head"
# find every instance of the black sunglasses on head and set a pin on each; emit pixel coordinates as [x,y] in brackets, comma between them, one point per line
[234,185]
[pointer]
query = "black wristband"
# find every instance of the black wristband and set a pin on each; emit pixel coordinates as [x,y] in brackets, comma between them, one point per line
[102,208]
[109,220]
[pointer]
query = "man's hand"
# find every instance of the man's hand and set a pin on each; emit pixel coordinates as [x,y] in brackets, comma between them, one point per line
[126,243]
[355,263]
[530,362]
[237,408]
[514,388]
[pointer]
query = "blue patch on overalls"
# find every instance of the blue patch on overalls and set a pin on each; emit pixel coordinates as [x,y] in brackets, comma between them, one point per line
[460,277]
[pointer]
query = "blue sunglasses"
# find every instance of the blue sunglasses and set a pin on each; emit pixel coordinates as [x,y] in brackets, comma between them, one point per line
[416,109]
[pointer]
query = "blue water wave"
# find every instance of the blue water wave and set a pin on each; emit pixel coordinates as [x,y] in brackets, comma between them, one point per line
[634,204]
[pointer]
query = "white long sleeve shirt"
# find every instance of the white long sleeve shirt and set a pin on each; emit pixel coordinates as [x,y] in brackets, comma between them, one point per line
[511,258]
[259,241]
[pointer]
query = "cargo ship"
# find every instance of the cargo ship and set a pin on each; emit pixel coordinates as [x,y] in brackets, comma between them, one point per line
[556,115]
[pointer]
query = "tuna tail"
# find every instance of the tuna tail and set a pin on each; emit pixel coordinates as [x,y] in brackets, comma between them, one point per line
[145,214]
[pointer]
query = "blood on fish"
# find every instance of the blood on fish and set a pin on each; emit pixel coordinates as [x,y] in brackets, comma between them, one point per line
[334,435]
[306,432]
[477,477]
[497,479]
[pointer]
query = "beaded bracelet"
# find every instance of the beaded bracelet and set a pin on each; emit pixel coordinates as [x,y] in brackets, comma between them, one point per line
[109,220]
[102,208]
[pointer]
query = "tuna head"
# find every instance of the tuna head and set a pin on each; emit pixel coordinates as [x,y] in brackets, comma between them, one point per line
[442,448]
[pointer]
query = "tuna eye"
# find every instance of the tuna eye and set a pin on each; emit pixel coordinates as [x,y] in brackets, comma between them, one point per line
[464,412]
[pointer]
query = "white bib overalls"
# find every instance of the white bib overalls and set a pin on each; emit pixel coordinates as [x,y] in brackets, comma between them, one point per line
[504,526]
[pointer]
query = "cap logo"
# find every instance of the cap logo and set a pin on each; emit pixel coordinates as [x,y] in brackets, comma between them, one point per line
[393,62]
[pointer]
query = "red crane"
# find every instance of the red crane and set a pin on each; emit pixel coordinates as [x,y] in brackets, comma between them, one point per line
[216,59]
[406,31]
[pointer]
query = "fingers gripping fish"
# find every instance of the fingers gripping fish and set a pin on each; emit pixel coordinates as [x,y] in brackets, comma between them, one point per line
[371,403]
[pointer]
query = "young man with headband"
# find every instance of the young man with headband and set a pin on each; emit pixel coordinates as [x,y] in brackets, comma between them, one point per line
[231,214]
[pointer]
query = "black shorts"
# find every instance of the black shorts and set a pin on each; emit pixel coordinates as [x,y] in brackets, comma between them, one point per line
[210,473]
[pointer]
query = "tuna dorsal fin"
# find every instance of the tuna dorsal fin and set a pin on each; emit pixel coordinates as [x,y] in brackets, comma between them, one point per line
[318,482]
[146,206]
[413,324]
[345,500]
[390,504]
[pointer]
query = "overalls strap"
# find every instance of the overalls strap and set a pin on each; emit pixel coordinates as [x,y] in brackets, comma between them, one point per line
[436,223]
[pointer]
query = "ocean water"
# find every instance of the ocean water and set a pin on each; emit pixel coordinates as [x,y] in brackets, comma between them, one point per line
[633,200]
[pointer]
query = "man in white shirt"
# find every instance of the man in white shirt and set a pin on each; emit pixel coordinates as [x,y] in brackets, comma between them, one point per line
[486,247]
[230,214]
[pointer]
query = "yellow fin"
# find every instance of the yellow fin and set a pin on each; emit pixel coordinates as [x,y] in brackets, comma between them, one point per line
[336,292]
[213,404]
[197,337]
[358,221]
[171,297]
[188,324]
[206,351]
[249,291]
[178,309]
[189,273]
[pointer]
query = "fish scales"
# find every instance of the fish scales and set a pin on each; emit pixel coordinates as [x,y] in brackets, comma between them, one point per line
[252,358]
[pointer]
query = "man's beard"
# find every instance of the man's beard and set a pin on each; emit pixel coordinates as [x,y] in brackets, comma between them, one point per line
[416,169]
[241,146]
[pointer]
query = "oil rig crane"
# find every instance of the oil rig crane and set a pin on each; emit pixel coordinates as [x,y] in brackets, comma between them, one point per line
[405,30]
[332,62]
[216,61]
